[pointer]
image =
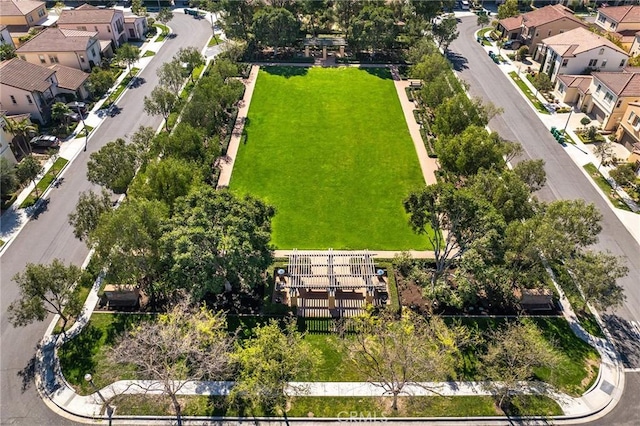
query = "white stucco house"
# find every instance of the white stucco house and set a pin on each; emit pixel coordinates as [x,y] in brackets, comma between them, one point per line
[580,51]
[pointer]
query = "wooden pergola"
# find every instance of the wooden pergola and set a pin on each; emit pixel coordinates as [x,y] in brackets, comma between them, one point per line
[331,271]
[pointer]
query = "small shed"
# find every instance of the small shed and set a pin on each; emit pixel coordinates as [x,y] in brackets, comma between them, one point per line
[122,296]
[537,299]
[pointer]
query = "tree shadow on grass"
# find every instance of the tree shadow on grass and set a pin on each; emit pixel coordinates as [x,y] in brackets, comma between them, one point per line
[286,72]
[122,323]
[380,72]
[76,356]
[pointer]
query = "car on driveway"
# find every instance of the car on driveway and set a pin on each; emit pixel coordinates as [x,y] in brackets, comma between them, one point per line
[512,44]
[79,107]
[44,141]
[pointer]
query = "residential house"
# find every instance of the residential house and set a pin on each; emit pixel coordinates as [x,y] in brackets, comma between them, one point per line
[5,36]
[135,26]
[532,27]
[20,16]
[622,21]
[580,51]
[27,88]
[628,133]
[612,94]
[72,48]
[573,89]
[108,23]
[5,139]
[71,81]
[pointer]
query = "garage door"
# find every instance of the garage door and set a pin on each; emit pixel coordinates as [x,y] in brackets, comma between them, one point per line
[598,113]
[627,140]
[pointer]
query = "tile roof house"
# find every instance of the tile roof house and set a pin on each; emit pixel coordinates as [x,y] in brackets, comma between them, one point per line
[5,36]
[573,89]
[135,26]
[26,88]
[532,27]
[71,81]
[628,133]
[612,94]
[579,51]
[622,21]
[22,14]
[72,48]
[108,23]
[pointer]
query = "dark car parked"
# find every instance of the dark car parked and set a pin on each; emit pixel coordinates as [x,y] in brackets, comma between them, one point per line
[45,141]
[512,44]
[80,107]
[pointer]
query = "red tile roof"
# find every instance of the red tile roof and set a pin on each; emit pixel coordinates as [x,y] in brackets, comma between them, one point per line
[24,75]
[69,78]
[620,83]
[620,14]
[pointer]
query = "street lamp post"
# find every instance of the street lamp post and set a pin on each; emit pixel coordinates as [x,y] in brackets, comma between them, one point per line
[89,378]
[568,118]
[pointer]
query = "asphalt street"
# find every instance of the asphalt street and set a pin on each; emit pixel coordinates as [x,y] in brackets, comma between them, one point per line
[50,236]
[565,180]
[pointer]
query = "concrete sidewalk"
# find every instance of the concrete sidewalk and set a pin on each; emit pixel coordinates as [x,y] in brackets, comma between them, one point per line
[15,218]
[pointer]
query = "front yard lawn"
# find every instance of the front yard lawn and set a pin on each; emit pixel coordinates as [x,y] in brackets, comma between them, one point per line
[528,93]
[605,186]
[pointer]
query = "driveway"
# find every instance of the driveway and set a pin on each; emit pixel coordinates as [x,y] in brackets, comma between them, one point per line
[564,179]
[50,236]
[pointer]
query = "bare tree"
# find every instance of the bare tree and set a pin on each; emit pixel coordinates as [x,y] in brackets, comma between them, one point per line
[184,345]
[604,152]
[393,353]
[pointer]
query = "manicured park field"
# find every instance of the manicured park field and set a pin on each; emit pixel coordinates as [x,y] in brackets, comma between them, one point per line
[329,147]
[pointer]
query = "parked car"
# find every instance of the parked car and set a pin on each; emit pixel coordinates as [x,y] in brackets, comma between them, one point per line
[80,107]
[73,116]
[45,141]
[512,44]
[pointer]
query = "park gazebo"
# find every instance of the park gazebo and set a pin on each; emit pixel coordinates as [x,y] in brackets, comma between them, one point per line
[331,283]
[324,43]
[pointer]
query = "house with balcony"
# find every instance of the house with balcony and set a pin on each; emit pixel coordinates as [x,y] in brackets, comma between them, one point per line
[623,22]
[532,27]
[27,88]
[109,24]
[71,48]
[135,26]
[612,94]
[580,51]
[72,82]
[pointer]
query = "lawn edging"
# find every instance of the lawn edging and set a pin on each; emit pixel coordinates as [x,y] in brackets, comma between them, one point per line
[44,183]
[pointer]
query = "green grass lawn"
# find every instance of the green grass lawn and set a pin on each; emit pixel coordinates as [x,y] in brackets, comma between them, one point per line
[329,147]
[44,183]
[604,185]
[148,53]
[528,93]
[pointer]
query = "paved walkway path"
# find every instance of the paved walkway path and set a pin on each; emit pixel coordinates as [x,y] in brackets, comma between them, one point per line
[227,162]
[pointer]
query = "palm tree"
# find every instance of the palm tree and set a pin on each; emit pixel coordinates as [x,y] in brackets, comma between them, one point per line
[21,131]
[59,112]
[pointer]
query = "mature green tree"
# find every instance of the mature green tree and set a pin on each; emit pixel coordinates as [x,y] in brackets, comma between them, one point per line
[596,274]
[436,91]
[464,154]
[430,67]
[346,11]
[162,102]
[127,54]
[504,189]
[445,31]
[267,363]
[395,353]
[164,15]
[142,141]
[113,166]
[172,75]
[373,28]
[238,17]
[424,46]
[459,112]
[22,131]
[127,244]
[165,180]
[100,81]
[317,13]
[191,57]
[453,221]
[8,180]
[138,8]
[217,241]
[60,111]
[44,290]
[182,346]
[275,27]
[624,174]
[508,9]
[514,351]
[186,142]
[542,82]
[28,170]
[430,9]
[7,51]
[532,173]
[483,20]
[86,216]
